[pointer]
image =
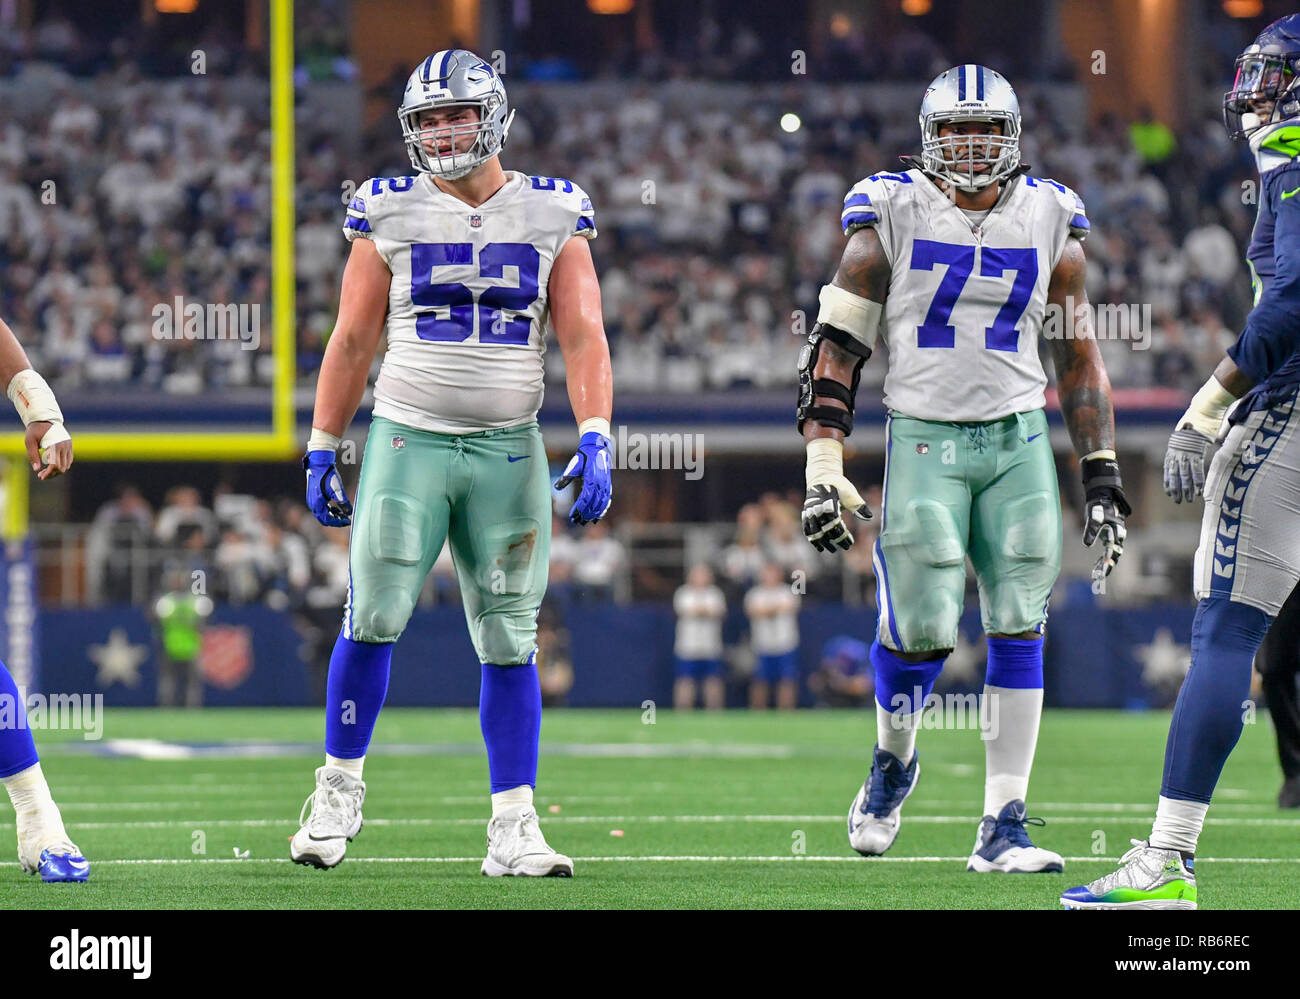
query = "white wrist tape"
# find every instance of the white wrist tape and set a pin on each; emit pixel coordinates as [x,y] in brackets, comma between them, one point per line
[596,423]
[1103,453]
[322,441]
[826,468]
[855,315]
[1208,408]
[35,402]
[825,460]
[33,398]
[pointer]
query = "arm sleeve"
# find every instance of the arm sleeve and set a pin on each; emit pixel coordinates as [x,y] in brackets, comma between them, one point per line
[1272,332]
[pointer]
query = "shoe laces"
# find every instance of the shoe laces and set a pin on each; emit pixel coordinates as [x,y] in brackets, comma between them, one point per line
[326,804]
[526,827]
[1013,830]
[882,796]
[1134,869]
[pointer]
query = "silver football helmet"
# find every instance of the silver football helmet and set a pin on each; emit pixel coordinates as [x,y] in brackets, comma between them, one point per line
[970,93]
[447,79]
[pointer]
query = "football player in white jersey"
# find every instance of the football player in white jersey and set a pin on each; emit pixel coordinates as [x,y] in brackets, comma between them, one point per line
[959,264]
[466,267]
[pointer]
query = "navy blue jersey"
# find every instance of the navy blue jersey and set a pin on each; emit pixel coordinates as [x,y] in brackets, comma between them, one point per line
[1268,350]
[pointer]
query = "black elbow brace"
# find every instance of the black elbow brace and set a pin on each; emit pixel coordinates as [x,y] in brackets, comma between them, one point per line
[810,387]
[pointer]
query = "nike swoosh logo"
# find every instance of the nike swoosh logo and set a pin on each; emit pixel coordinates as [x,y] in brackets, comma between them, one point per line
[1040,433]
[511,457]
[1289,193]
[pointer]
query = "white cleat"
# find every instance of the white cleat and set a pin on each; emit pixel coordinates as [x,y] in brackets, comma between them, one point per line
[876,813]
[1003,847]
[335,818]
[517,848]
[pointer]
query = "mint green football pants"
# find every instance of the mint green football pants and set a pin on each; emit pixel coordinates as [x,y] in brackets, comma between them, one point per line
[987,490]
[490,495]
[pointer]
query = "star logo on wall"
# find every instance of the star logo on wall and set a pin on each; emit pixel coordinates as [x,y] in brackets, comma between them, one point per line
[118,660]
[1164,661]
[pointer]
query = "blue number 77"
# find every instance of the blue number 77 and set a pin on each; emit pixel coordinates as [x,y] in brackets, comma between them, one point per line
[959,259]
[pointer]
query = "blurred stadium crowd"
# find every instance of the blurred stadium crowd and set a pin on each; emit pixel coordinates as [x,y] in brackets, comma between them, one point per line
[248,549]
[716,225]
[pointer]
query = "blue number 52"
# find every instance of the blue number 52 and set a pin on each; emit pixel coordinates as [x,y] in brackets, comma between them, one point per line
[448,313]
[959,259]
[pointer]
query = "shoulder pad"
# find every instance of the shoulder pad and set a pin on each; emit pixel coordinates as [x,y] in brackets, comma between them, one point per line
[580,216]
[868,198]
[1071,205]
[1279,148]
[369,201]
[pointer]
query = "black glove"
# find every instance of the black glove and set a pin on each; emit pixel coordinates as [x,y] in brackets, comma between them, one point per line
[823,524]
[1104,508]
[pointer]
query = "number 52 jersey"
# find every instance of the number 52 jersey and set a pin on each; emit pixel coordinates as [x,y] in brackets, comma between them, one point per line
[966,296]
[467,305]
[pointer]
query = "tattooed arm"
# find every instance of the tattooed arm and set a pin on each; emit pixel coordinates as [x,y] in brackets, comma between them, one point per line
[1084,391]
[1081,379]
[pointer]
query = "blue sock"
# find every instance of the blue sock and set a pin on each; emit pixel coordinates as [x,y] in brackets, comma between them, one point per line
[899,683]
[17,749]
[1207,717]
[510,713]
[354,693]
[1015,663]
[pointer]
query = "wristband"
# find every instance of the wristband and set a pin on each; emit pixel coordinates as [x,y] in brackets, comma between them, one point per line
[322,441]
[598,424]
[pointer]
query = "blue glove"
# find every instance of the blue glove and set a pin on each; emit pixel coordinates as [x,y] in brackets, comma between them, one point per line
[325,493]
[592,465]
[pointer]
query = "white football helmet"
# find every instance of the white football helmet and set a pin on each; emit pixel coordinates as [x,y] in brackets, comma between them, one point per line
[965,94]
[447,79]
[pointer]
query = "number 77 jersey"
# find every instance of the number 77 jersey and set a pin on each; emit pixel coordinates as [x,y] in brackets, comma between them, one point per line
[467,305]
[967,296]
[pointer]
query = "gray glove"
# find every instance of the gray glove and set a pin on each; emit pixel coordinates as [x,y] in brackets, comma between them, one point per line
[1185,464]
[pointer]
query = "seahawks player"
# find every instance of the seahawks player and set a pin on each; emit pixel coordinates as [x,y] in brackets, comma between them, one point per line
[43,844]
[955,264]
[466,267]
[1248,560]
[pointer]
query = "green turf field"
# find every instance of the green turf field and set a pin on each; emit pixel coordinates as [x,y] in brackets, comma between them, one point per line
[731,810]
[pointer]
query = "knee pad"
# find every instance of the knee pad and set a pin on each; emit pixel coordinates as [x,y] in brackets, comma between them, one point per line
[505,638]
[381,617]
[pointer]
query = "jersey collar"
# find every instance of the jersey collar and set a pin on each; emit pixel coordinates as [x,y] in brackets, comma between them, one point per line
[506,193]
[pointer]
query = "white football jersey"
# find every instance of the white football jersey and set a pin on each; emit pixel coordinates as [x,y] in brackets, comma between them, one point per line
[467,306]
[966,298]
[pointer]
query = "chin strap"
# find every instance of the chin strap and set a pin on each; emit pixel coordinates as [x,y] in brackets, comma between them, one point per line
[915,163]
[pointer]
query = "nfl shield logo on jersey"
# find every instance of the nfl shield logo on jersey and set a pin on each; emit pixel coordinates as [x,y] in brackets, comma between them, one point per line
[398,443]
[923,449]
[475,221]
